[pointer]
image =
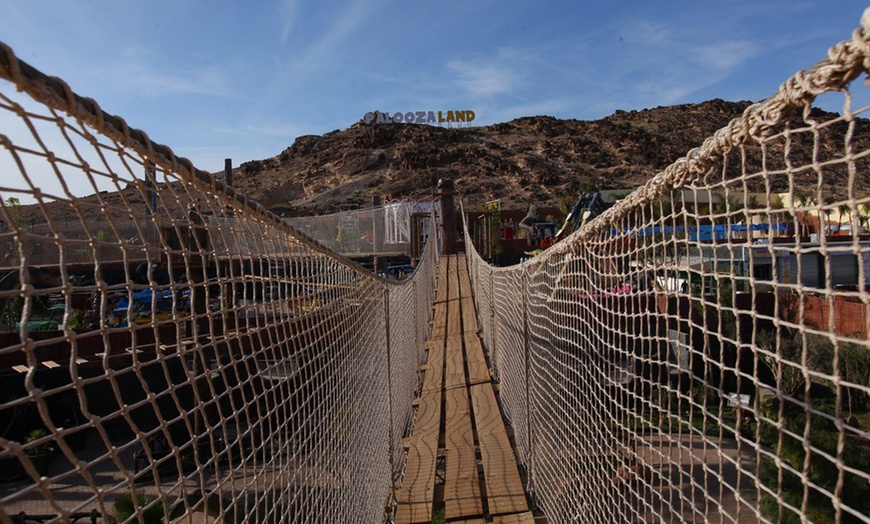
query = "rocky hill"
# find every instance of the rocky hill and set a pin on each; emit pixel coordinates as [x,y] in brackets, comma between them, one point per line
[537,159]
[540,160]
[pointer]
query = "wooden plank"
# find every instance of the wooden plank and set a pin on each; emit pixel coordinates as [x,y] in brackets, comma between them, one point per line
[464,279]
[469,316]
[454,374]
[439,321]
[504,489]
[441,287]
[515,518]
[434,377]
[415,498]
[454,318]
[461,483]
[453,282]
[478,372]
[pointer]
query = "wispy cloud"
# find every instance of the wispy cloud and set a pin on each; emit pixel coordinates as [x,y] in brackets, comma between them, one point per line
[665,63]
[135,72]
[724,57]
[261,129]
[287,10]
[323,49]
[649,33]
[482,80]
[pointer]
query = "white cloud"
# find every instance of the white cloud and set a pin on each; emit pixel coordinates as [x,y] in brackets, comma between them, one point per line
[726,56]
[323,49]
[287,11]
[649,34]
[482,80]
[134,72]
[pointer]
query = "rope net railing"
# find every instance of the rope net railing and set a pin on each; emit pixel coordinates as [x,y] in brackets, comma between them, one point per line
[388,229]
[699,351]
[170,351]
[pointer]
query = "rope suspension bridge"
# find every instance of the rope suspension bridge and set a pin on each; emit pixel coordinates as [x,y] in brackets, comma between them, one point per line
[172,351]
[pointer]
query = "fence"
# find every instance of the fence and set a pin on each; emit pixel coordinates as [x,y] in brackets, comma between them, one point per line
[168,348]
[382,230]
[262,377]
[654,375]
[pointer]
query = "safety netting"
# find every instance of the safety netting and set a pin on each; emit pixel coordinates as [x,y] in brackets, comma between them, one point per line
[172,351]
[397,228]
[699,351]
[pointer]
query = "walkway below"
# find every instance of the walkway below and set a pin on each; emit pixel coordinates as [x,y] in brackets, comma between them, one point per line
[459,455]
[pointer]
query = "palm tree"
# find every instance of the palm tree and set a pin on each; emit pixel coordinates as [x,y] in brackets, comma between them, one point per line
[806,201]
[864,214]
[753,201]
[828,212]
[843,209]
[777,206]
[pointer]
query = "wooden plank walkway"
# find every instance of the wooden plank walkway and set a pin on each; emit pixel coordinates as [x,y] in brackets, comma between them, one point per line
[458,419]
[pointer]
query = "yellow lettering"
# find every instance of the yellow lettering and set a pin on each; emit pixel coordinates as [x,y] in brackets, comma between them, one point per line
[460,116]
[469,115]
[450,117]
[440,117]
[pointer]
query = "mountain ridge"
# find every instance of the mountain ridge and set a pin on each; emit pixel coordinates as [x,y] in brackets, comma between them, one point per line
[534,159]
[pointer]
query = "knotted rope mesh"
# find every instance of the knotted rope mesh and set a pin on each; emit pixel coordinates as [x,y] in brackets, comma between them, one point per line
[169,350]
[699,351]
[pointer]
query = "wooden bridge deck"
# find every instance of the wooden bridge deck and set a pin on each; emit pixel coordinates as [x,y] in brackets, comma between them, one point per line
[459,455]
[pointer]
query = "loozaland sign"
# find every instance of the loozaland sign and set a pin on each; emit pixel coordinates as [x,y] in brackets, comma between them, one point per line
[419,117]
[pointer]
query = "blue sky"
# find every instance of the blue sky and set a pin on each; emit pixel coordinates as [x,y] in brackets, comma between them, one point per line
[217,79]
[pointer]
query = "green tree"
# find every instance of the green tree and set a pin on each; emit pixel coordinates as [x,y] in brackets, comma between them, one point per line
[776,216]
[127,507]
[12,209]
[843,210]
[801,205]
[864,214]
[791,356]
[827,212]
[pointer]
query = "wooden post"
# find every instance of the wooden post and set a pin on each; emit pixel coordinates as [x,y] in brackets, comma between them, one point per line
[445,194]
